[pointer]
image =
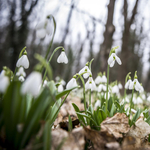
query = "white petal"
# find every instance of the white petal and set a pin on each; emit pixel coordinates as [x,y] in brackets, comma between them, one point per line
[98,80]
[21,72]
[23,61]
[21,78]
[40,25]
[120,86]
[100,87]
[118,60]
[104,79]
[86,75]
[32,84]
[111,59]
[60,88]
[41,33]
[2,74]
[104,88]
[49,27]
[112,64]
[4,82]
[72,83]
[131,85]
[97,104]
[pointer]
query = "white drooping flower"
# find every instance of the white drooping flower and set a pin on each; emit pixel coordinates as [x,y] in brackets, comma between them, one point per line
[135,84]
[21,78]
[108,95]
[104,79]
[63,82]
[120,86]
[97,104]
[90,85]
[62,58]
[44,27]
[23,62]
[128,84]
[98,80]
[32,84]
[71,84]
[60,88]
[112,58]
[101,88]
[87,70]
[115,89]
[148,98]
[4,82]
[21,72]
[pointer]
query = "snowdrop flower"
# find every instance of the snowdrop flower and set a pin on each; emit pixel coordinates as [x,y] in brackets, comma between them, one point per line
[60,88]
[21,78]
[90,84]
[128,84]
[115,89]
[62,58]
[108,95]
[104,79]
[139,100]
[85,69]
[101,87]
[148,99]
[44,27]
[112,58]
[120,86]
[32,84]
[21,72]
[63,82]
[23,61]
[135,84]
[98,80]
[4,82]
[97,104]
[72,83]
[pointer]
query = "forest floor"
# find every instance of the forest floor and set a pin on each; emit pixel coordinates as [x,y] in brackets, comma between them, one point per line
[115,133]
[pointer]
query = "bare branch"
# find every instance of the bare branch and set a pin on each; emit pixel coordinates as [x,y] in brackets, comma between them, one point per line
[134,12]
[31,7]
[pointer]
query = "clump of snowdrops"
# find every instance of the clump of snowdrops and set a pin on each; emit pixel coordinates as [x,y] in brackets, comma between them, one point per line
[29,105]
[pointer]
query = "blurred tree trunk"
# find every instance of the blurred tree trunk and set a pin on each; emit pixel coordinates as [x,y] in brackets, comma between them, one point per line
[18,35]
[125,50]
[108,39]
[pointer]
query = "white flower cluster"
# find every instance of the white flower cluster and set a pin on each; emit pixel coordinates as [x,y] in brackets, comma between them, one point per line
[134,84]
[22,63]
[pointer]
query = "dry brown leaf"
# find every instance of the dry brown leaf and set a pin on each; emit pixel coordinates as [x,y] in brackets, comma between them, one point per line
[140,130]
[68,141]
[116,125]
[98,138]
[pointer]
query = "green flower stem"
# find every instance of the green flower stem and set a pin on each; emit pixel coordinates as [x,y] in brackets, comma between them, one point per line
[50,45]
[90,63]
[83,92]
[107,90]
[90,97]
[55,50]
[131,101]
[59,107]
